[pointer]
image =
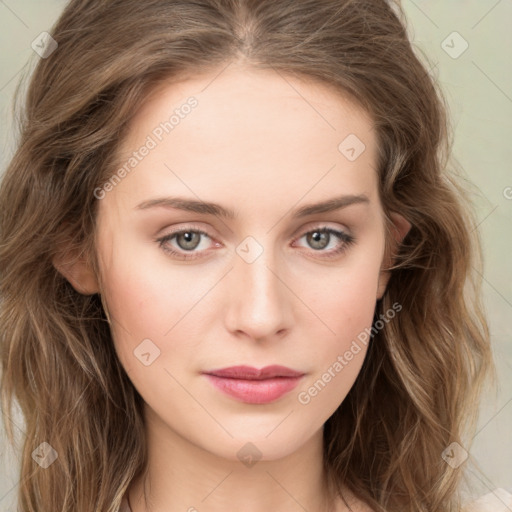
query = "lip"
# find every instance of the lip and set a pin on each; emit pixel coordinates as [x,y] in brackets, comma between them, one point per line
[253,386]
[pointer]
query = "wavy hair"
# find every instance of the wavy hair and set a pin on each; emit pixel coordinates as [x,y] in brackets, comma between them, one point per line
[419,386]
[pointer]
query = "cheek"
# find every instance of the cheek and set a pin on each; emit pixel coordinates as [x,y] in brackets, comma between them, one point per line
[147,304]
[160,303]
[347,307]
[355,306]
[143,295]
[145,313]
[345,300]
[349,315]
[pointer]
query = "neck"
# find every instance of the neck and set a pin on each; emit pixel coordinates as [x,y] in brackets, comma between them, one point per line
[182,476]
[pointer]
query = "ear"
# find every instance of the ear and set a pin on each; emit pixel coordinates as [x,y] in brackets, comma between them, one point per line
[77,270]
[400,228]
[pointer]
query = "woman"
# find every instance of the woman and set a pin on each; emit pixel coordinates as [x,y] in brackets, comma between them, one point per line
[235,264]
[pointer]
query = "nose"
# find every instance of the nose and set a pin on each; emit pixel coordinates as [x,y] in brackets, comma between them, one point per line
[259,303]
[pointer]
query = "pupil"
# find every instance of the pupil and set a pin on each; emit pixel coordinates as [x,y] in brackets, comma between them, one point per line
[187,242]
[317,239]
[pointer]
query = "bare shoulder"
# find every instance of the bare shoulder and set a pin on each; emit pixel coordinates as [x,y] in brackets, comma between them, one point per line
[498,500]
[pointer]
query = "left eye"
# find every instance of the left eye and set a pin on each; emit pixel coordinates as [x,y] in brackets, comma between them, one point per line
[320,238]
[187,240]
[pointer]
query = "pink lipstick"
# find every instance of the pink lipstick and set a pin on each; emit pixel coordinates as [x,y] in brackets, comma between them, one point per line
[254,386]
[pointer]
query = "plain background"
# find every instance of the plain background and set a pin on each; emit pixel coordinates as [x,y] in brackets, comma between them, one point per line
[478,85]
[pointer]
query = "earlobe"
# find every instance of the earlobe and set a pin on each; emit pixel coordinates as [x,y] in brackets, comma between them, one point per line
[78,273]
[400,228]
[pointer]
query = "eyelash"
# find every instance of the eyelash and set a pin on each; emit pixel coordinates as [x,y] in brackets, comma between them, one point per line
[346,238]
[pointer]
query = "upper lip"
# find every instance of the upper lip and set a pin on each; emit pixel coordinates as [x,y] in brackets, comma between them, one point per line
[250,373]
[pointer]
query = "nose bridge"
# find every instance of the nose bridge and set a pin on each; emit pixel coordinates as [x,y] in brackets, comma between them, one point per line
[258,304]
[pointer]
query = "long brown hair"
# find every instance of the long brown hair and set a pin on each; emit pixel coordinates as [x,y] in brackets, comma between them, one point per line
[418,389]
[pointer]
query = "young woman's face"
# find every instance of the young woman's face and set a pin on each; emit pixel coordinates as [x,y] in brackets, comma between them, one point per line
[265,286]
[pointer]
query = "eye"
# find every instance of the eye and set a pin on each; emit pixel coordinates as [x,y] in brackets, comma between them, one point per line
[189,239]
[320,238]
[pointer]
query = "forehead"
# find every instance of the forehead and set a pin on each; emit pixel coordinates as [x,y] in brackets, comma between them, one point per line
[259,132]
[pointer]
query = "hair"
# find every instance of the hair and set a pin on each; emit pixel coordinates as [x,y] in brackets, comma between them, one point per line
[419,386]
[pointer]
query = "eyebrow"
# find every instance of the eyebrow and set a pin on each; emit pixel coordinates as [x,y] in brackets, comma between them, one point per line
[191,205]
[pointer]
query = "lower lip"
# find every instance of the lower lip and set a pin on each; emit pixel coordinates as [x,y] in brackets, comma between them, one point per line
[255,391]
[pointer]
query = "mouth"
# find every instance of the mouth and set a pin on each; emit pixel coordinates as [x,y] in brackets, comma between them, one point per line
[253,386]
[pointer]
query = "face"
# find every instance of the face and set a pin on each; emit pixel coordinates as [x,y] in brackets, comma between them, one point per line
[260,279]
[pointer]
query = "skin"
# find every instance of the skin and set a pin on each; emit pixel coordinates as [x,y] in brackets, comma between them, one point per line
[263,145]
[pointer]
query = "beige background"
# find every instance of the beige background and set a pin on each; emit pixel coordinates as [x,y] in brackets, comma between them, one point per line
[478,84]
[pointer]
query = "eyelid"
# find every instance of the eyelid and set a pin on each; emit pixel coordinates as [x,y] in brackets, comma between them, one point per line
[311,226]
[189,227]
[319,224]
[180,254]
[342,234]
